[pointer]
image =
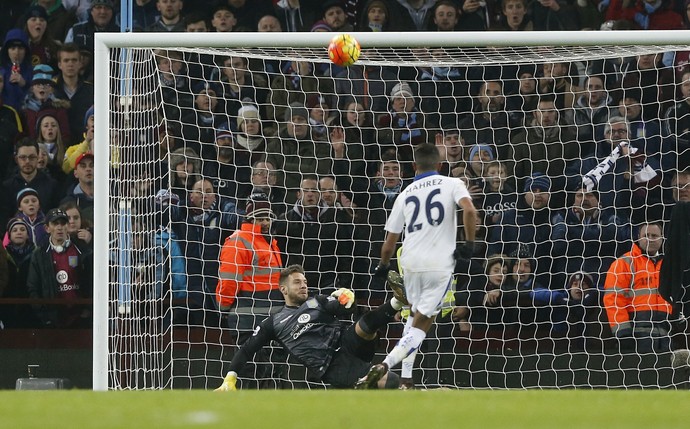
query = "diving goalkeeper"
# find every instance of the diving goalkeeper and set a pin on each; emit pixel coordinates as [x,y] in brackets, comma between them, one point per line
[309,329]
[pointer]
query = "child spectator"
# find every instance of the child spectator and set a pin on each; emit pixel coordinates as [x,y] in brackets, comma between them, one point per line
[74,152]
[29,210]
[40,100]
[19,248]
[16,61]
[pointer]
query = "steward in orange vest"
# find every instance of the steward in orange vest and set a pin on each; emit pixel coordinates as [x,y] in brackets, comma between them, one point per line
[250,265]
[631,293]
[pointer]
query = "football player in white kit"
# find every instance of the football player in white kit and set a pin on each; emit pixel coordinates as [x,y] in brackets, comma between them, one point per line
[426,213]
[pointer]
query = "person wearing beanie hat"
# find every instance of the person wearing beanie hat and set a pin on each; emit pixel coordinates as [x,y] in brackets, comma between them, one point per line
[375,17]
[479,157]
[101,19]
[41,101]
[16,67]
[29,210]
[537,182]
[19,249]
[335,16]
[248,112]
[295,110]
[403,127]
[250,263]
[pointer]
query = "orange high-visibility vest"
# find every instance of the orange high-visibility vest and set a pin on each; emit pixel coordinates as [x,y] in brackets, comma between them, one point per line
[632,285]
[249,267]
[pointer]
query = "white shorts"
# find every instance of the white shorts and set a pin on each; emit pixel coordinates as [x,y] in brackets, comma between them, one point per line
[426,290]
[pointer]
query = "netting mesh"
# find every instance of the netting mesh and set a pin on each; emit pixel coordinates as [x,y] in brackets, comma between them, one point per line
[195,132]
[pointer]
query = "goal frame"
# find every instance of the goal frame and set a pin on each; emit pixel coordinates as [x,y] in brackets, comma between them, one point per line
[104,42]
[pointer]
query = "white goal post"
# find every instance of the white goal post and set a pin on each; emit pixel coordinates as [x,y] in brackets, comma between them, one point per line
[483,48]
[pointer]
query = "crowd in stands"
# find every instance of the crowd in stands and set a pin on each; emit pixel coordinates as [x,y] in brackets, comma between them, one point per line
[564,160]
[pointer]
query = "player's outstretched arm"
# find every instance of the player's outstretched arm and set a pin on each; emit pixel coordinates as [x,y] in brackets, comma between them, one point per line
[387,251]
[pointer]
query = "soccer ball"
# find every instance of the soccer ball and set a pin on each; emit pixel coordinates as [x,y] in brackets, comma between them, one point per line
[344,50]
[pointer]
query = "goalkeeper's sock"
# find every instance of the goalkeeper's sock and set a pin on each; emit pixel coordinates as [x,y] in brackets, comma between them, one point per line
[396,304]
[377,318]
[407,345]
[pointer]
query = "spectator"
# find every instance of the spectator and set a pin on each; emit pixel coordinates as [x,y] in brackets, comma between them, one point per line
[585,312]
[676,126]
[335,16]
[28,176]
[375,203]
[489,120]
[82,192]
[170,18]
[11,126]
[475,15]
[521,103]
[530,224]
[592,237]
[375,16]
[175,83]
[311,234]
[555,80]
[403,127]
[411,15]
[450,145]
[60,270]
[204,221]
[647,132]
[330,195]
[171,270]
[294,85]
[626,178]
[547,146]
[50,138]
[514,16]
[269,23]
[635,309]
[370,85]
[647,14]
[223,19]
[185,166]
[319,112]
[264,179]
[242,87]
[29,210]
[553,15]
[656,82]
[40,101]
[80,230]
[74,152]
[480,303]
[499,193]
[144,14]
[101,19]
[296,152]
[353,146]
[60,20]
[200,123]
[250,264]
[43,49]
[72,87]
[297,15]
[19,249]
[248,12]
[592,110]
[16,62]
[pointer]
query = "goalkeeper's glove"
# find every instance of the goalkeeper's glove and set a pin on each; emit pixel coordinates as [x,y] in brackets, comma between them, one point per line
[345,296]
[229,382]
[465,250]
[381,272]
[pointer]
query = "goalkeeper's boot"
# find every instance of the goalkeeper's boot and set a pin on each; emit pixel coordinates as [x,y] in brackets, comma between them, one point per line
[229,383]
[370,381]
[397,285]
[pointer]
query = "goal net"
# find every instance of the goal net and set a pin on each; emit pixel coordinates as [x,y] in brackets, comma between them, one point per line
[570,144]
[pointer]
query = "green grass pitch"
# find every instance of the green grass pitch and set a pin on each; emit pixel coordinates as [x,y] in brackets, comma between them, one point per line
[462,409]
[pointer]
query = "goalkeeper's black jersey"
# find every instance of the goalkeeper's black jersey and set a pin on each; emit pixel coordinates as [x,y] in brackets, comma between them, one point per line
[311,333]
